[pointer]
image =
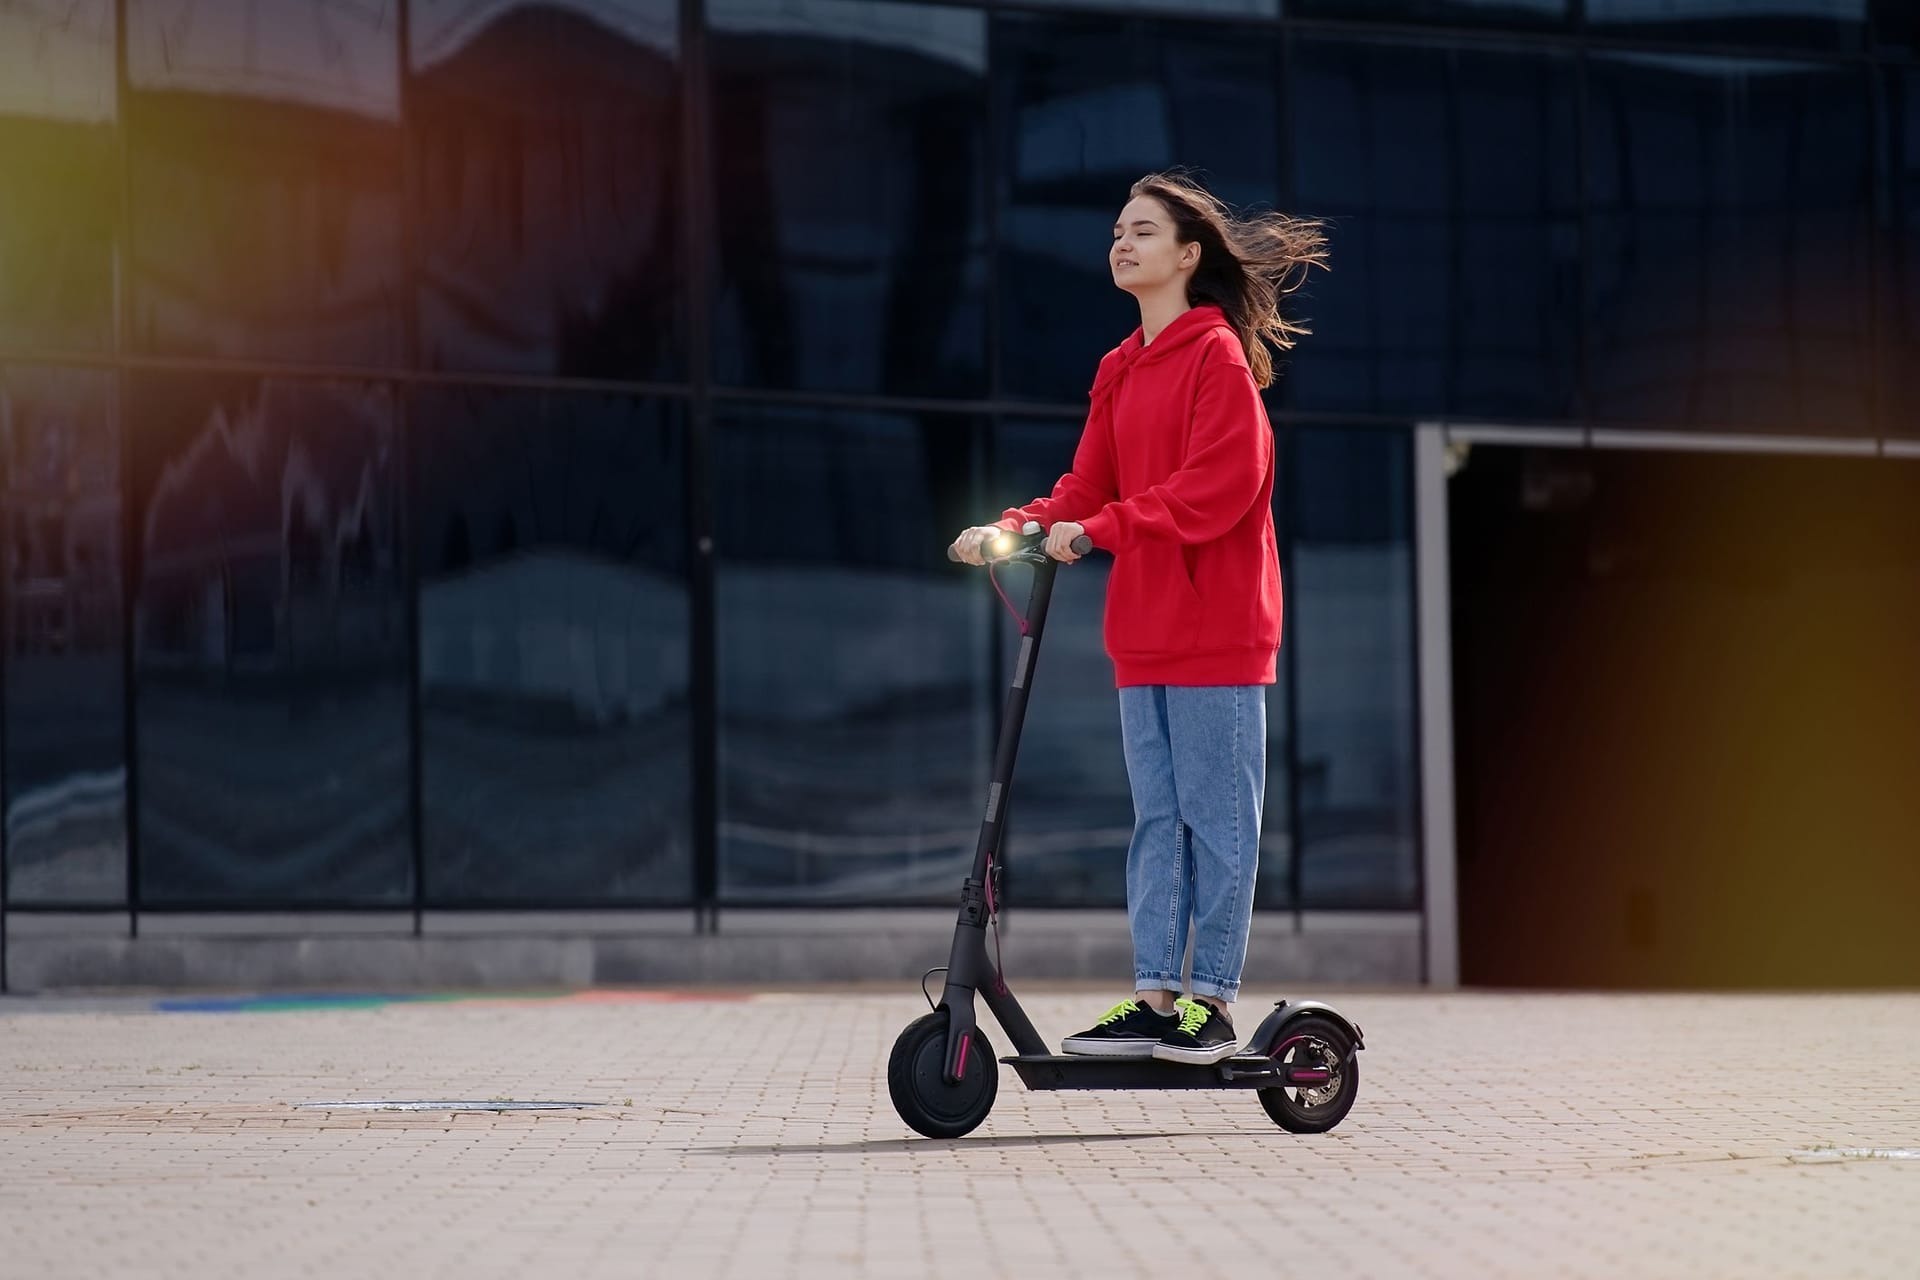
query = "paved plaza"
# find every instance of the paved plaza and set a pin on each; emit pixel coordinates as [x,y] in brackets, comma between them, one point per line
[749,1134]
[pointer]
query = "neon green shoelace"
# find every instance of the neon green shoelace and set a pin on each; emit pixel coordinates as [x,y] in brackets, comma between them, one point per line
[1118,1012]
[1193,1016]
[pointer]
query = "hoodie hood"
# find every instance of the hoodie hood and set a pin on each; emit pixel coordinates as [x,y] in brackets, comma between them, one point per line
[1192,325]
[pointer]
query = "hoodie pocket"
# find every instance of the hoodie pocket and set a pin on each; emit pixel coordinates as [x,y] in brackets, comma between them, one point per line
[1237,608]
[1152,606]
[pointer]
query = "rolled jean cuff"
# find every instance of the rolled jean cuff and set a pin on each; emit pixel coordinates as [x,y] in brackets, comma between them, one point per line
[1156,982]
[1227,991]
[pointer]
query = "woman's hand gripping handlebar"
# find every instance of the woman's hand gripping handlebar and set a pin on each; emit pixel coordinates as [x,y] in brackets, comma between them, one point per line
[986,544]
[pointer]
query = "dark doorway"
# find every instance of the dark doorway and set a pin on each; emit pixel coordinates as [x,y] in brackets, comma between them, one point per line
[1687,718]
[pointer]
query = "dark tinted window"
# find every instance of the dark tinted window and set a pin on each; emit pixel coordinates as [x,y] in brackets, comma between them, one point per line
[848,157]
[1730,278]
[1451,184]
[1896,26]
[1786,24]
[60,200]
[1900,249]
[546,161]
[854,660]
[553,647]
[1465,13]
[1089,105]
[264,181]
[1170,8]
[270,625]
[1072,812]
[66,751]
[1350,622]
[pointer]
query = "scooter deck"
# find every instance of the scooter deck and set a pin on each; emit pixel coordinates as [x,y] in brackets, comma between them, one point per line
[1079,1071]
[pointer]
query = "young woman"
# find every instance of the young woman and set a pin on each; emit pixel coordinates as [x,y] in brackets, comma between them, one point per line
[1174,477]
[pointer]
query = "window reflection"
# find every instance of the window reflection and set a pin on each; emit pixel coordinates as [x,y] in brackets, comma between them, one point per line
[1350,622]
[553,647]
[60,200]
[270,633]
[546,141]
[264,173]
[66,748]
[1090,105]
[1451,180]
[848,157]
[855,713]
[1729,277]
[1072,815]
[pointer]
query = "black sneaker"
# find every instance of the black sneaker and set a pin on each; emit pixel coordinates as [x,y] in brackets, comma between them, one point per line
[1128,1030]
[1204,1035]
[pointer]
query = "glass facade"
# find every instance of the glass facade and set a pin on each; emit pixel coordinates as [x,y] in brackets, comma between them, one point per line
[855,714]
[1730,282]
[1351,499]
[1782,24]
[549,529]
[1452,178]
[264,184]
[59,122]
[475,453]
[848,151]
[544,162]
[61,518]
[270,723]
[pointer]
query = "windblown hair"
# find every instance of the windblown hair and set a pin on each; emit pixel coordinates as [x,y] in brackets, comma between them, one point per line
[1247,265]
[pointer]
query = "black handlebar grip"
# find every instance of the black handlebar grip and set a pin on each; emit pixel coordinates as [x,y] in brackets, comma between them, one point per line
[1082,545]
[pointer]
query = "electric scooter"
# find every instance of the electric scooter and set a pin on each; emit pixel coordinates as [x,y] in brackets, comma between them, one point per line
[1302,1060]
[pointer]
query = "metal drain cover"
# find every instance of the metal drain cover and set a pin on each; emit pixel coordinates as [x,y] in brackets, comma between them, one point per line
[491,1105]
[1818,1155]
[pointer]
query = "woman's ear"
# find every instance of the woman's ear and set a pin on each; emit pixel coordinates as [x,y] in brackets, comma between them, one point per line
[1190,254]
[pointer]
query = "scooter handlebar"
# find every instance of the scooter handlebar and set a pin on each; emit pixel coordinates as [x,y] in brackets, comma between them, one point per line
[1082,545]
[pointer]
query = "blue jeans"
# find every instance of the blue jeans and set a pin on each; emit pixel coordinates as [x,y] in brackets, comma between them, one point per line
[1197,762]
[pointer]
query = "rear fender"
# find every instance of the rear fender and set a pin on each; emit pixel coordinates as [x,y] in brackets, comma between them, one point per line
[1272,1029]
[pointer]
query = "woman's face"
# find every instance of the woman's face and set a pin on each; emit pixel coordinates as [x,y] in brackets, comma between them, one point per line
[1146,254]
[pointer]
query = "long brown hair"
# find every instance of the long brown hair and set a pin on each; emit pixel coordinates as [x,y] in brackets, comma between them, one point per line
[1247,263]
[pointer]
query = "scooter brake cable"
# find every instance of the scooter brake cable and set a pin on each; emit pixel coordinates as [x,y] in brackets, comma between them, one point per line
[994,575]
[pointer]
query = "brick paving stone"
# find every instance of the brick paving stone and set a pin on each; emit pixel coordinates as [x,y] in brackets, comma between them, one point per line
[1495,1135]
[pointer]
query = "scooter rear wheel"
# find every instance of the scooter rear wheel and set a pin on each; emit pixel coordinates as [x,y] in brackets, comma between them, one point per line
[916,1077]
[1320,1044]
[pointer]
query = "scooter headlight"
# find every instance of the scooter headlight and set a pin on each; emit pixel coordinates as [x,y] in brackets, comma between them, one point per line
[1002,544]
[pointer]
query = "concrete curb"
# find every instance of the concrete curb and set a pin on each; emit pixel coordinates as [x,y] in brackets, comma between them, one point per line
[766,947]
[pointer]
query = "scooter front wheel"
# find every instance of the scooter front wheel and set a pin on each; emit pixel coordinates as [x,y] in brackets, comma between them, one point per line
[916,1077]
[1318,1048]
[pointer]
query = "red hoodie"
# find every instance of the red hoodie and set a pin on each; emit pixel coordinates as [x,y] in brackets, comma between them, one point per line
[1174,476]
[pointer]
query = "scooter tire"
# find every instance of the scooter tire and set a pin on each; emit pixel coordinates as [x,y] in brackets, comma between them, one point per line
[916,1078]
[1314,1110]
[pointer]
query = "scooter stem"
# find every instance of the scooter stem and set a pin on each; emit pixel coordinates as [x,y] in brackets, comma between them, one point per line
[968,968]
